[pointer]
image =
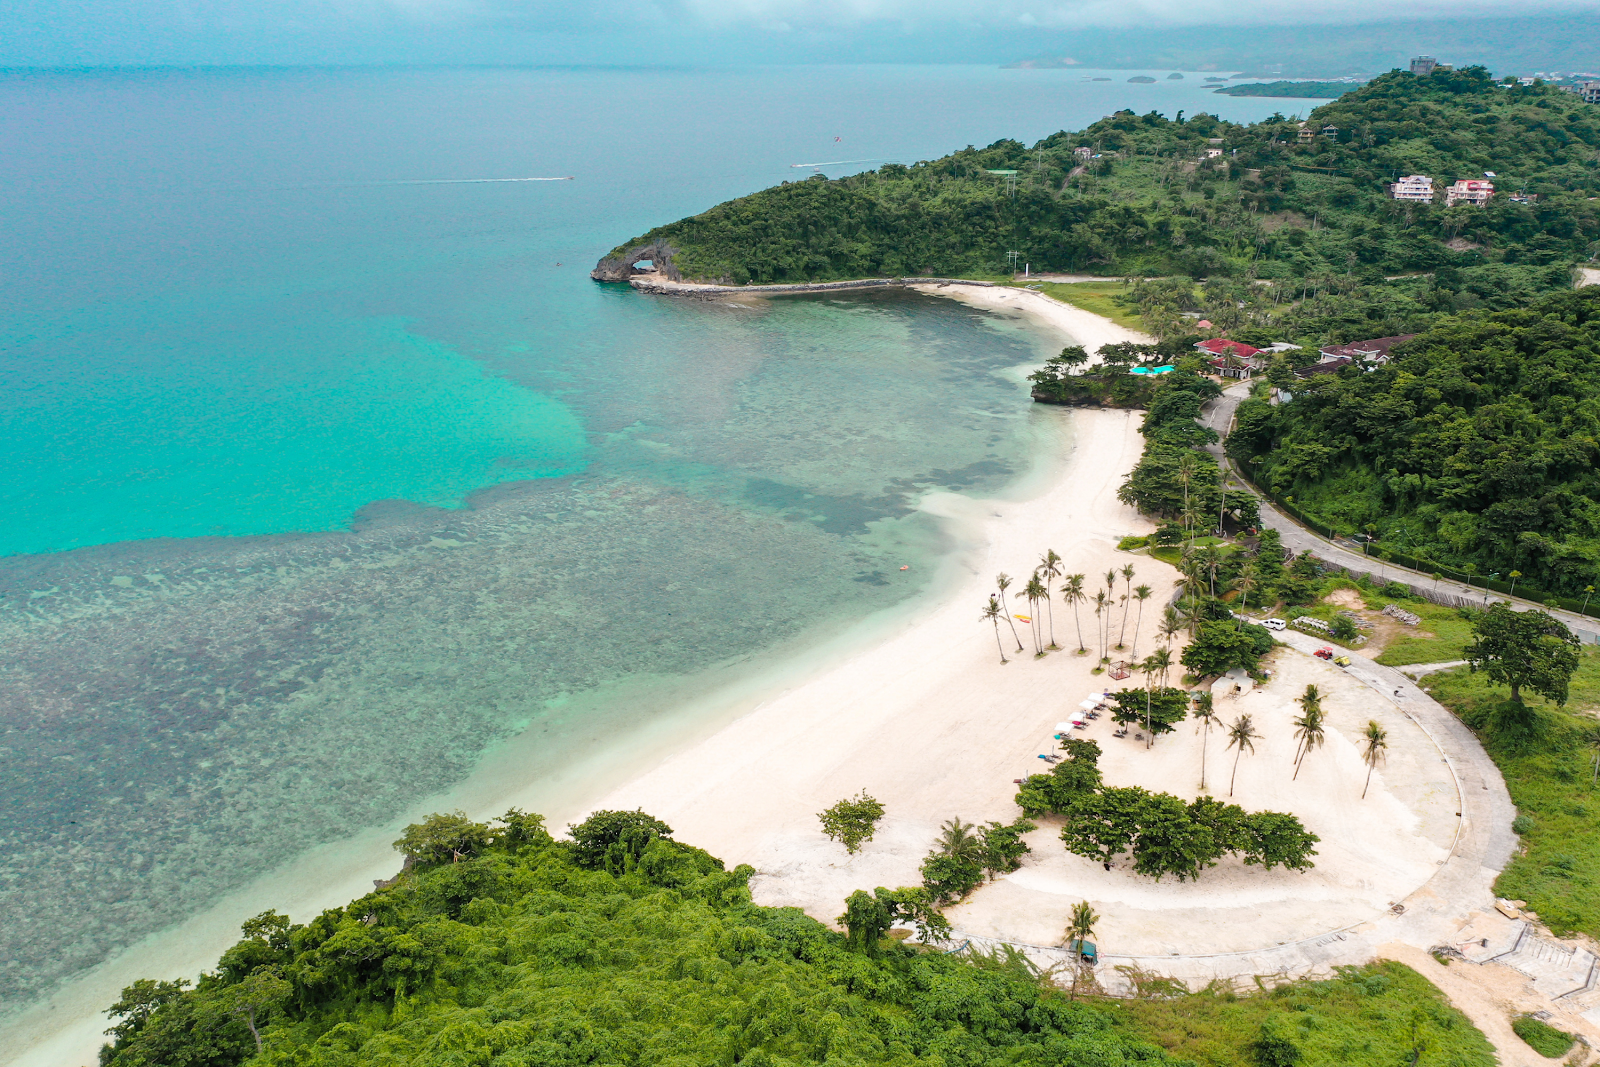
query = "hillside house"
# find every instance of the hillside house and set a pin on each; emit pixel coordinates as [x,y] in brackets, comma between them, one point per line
[1231,359]
[1374,351]
[1083,152]
[1475,193]
[1590,91]
[1422,66]
[1416,188]
[1305,134]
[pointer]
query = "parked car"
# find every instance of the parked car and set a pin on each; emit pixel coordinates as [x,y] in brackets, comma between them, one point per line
[1275,624]
[1323,653]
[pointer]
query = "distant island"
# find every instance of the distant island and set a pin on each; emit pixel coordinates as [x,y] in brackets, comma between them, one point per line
[1298,90]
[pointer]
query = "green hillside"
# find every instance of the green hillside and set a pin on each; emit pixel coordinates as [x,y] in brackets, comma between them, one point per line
[505,948]
[1477,445]
[1267,207]
[1301,90]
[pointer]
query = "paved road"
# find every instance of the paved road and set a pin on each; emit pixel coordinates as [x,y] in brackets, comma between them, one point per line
[1218,414]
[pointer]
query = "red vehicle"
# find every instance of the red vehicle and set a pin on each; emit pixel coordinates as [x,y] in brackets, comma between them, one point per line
[1324,652]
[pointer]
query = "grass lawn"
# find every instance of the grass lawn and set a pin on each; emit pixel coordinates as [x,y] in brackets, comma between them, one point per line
[1441,637]
[1363,1018]
[1550,776]
[1095,297]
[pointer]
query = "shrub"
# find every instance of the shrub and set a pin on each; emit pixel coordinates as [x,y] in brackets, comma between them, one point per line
[608,838]
[1543,1038]
[852,821]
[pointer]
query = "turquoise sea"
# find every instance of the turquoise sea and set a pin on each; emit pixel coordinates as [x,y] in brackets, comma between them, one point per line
[320,476]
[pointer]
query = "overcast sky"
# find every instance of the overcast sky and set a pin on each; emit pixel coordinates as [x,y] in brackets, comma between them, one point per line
[632,31]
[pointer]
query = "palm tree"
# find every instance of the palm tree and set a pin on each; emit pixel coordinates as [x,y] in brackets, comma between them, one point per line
[1034,591]
[1080,928]
[957,840]
[992,613]
[1162,658]
[1141,594]
[1186,470]
[1311,703]
[1206,715]
[1249,578]
[1210,558]
[1003,581]
[1308,728]
[1073,594]
[1149,667]
[1101,606]
[1127,577]
[1171,625]
[1241,735]
[1050,569]
[1377,739]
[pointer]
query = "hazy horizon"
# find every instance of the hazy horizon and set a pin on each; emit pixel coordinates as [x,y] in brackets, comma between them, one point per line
[1346,36]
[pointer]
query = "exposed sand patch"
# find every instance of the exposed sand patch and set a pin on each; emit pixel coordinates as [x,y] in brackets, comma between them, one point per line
[1083,327]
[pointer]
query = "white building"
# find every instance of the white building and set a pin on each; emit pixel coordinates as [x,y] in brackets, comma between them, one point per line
[1468,191]
[1417,188]
[1590,91]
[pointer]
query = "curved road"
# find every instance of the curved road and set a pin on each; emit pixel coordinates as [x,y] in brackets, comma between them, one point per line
[1218,415]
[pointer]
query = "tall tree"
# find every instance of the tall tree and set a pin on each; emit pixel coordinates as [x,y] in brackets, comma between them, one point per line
[1241,736]
[1374,742]
[1206,715]
[1247,580]
[1523,649]
[1072,593]
[1308,729]
[1049,570]
[1035,591]
[1171,625]
[1080,928]
[992,613]
[1101,609]
[1002,582]
[1127,594]
[1141,594]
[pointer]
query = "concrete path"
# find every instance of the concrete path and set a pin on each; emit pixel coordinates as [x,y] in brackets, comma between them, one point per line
[1434,913]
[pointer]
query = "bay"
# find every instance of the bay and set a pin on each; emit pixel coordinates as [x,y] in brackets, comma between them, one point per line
[316,483]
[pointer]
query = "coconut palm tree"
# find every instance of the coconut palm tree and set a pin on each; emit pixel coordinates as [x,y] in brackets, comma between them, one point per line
[1162,658]
[957,840]
[992,613]
[1141,594]
[1150,667]
[1050,569]
[1035,590]
[1309,731]
[1206,715]
[1072,593]
[1127,578]
[1171,625]
[1210,558]
[1003,582]
[1249,577]
[1101,607]
[1311,703]
[1241,735]
[1080,928]
[1186,471]
[1376,740]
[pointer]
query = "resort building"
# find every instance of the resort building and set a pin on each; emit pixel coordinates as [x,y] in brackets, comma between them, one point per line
[1590,91]
[1417,188]
[1468,191]
[1375,351]
[1422,66]
[1305,134]
[1231,359]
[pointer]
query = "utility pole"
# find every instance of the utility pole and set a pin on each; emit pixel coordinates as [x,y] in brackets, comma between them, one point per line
[1013,257]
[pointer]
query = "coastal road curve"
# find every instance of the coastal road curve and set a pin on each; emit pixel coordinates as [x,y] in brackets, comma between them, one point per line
[1218,415]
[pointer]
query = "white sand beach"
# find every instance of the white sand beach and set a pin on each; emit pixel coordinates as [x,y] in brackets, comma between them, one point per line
[926,718]
[1080,327]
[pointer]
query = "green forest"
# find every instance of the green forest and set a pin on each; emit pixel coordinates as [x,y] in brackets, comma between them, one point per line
[1301,90]
[502,946]
[1477,446]
[1194,196]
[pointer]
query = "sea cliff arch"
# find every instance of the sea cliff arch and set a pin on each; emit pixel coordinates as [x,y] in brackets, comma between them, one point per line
[619,268]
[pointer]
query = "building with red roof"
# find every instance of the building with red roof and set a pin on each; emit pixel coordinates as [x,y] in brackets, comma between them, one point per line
[1221,346]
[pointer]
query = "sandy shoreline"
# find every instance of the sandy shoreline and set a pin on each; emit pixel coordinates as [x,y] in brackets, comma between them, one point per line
[915,707]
